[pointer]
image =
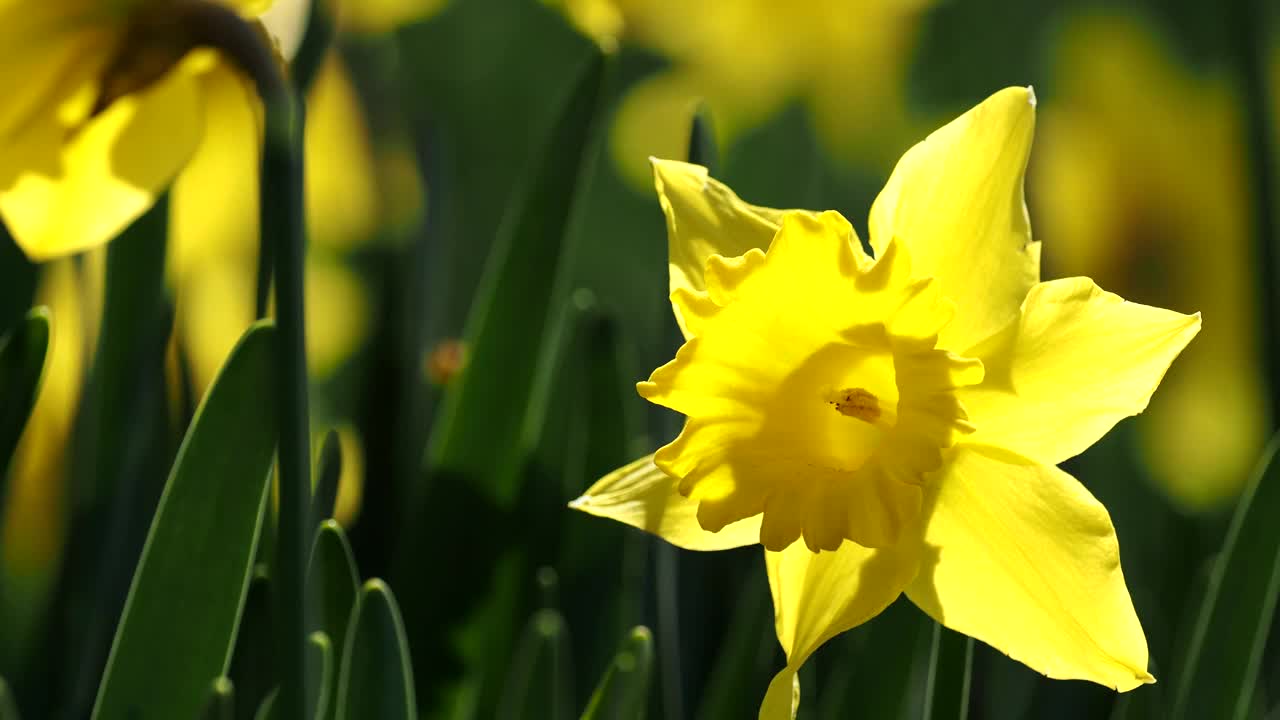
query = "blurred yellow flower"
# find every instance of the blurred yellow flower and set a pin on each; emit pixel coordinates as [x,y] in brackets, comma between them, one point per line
[104,104]
[747,58]
[351,480]
[1141,183]
[902,416]
[35,510]
[214,240]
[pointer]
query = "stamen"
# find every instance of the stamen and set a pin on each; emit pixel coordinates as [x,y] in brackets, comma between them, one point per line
[856,403]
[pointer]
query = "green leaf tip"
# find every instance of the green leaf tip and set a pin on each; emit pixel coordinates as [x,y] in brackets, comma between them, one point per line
[376,679]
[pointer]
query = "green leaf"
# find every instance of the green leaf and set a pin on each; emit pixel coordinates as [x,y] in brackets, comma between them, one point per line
[266,711]
[946,691]
[376,682]
[22,353]
[179,621]
[320,673]
[121,455]
[221,701]
[538,685]
[1219,673]
[481,431]
[8,707]
[332,584]
[320,669]
[253,663]
[324,497]
[623,692]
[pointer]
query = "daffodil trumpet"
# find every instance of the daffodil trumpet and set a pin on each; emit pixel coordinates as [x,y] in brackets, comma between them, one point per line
[890,423]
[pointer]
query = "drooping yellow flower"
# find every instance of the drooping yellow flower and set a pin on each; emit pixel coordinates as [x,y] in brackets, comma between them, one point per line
[104,104]
[847,61]
[891,425]
[1142,184]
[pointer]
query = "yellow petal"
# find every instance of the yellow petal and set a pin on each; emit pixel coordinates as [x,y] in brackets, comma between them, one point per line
[342,204]
[956,201]
[213,206]
[817,596]
[61,194]
[254,8]
[45,65]
[1020,556]
[1075,363]
[642,496]
[705,218]
[782,699]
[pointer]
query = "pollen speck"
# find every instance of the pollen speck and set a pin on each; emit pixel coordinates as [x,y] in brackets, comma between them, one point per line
[857,403]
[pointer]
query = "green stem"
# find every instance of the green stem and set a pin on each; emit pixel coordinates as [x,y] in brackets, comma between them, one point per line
[282,222]
[1250,20]
[284,244]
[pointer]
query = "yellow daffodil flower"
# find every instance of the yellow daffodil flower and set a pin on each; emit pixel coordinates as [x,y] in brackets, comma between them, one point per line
[892,425]
[846,61]
[104,104]
[1142,181]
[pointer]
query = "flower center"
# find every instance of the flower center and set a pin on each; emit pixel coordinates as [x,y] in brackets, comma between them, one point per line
[814,390]
[856,403]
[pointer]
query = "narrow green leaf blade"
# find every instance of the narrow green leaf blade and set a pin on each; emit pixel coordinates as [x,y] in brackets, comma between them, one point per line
[624,690]
[266,711]
[179,622]
[253,662]
[22,353]
[320,671]
[320,668]
[332,584]
[377,678]
[221,702]
[1219,672]
[328,472]
[537,687]
[946,694]
[479,430]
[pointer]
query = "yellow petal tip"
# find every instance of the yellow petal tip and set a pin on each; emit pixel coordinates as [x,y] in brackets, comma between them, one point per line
[1031,95]
[1140,678]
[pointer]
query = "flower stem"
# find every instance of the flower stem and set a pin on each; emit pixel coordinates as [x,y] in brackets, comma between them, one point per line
[282,223]
[283,232]
[1249,18]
